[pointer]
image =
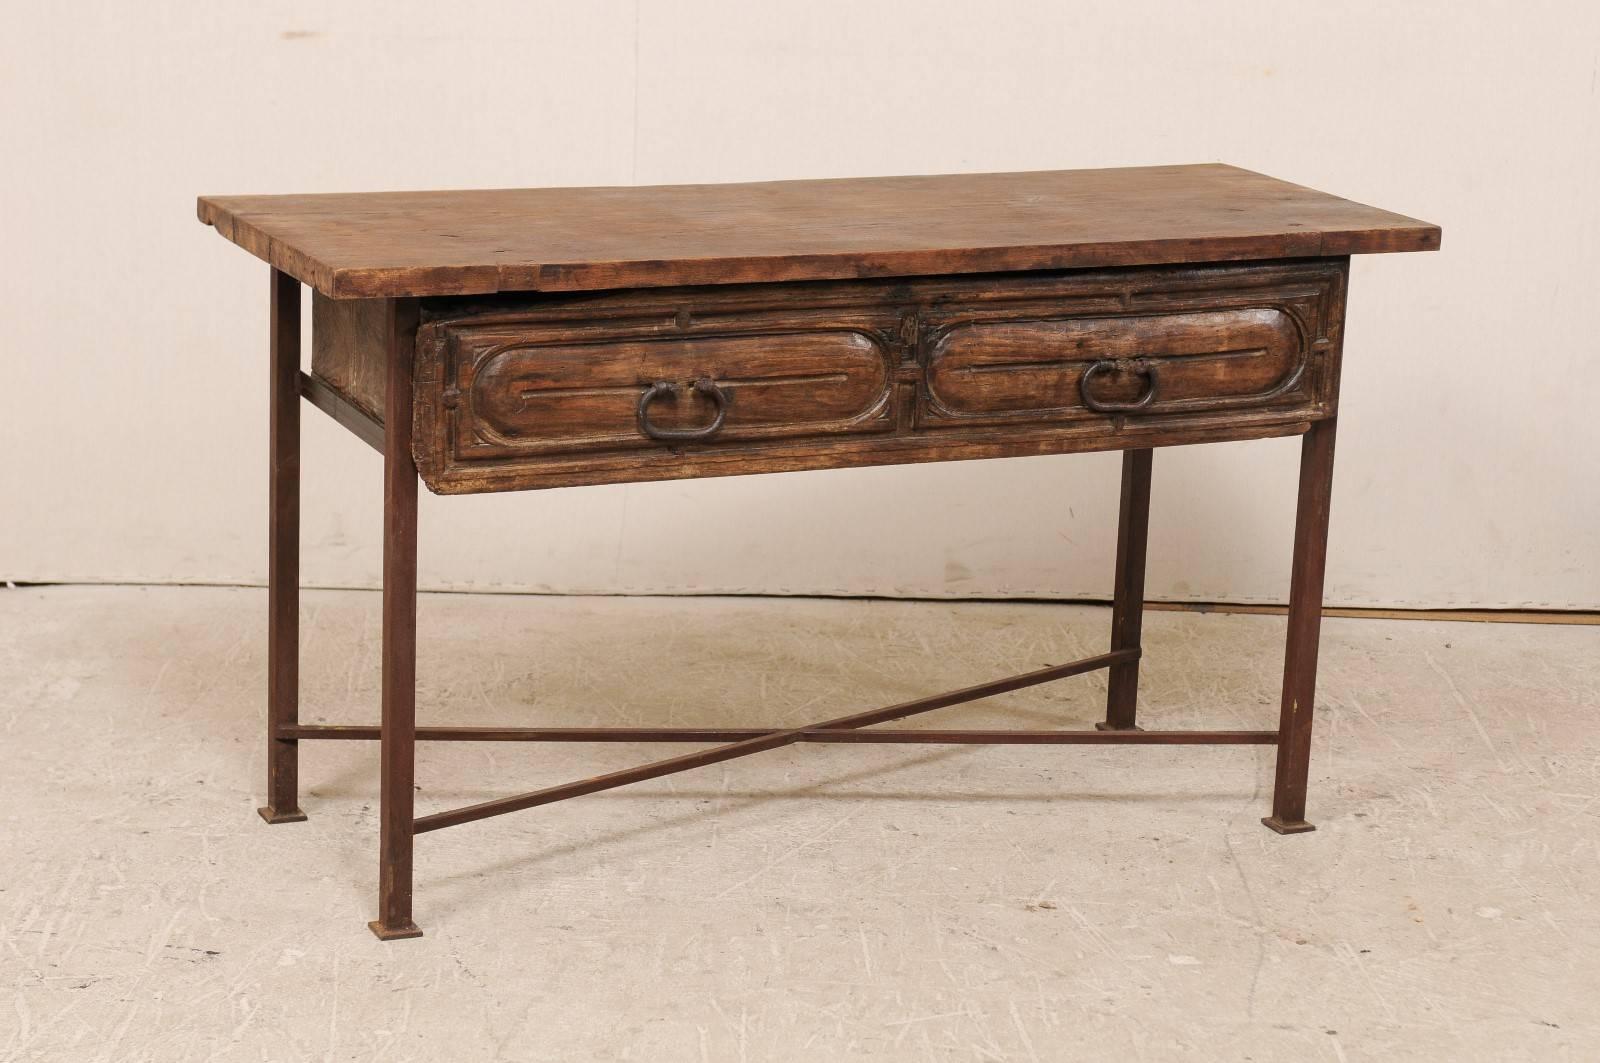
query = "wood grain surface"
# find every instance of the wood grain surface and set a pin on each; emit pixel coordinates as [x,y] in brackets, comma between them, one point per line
[419,244]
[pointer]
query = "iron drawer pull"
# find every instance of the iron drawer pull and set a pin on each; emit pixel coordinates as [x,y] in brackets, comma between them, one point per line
[1138,365]
[704,386]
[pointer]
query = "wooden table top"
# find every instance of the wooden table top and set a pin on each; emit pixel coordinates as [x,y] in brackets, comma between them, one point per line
[405,244]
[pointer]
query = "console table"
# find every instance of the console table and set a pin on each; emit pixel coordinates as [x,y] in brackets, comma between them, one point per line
[529,338]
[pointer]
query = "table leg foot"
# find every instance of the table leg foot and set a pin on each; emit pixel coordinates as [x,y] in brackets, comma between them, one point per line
[406,929]
[1298,826]
[273,815]
[1101,725]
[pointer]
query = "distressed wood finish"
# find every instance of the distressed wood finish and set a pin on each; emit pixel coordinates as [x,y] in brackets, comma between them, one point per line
[413,244]
[347,349]
[526,392]
[1207,360]
[490,341]
[520,391]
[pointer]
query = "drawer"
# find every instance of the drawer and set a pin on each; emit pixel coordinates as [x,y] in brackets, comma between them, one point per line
[529,390]
[520,392]
[1052,369]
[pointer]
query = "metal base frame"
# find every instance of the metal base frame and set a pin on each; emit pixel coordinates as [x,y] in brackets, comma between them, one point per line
[398,732]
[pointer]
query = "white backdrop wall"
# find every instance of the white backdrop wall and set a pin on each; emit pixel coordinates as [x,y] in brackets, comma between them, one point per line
[133,408]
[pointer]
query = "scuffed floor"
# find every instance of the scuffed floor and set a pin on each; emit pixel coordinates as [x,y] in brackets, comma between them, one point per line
[814,903]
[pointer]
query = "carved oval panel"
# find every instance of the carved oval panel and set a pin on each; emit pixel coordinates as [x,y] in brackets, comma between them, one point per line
[586,395]
[1209,359]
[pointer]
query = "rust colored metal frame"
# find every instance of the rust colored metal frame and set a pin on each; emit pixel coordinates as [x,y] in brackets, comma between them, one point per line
[398,733]
[360,423]
[742,742]
[1127,596]
[904,736]
[397,752]
[1305,628]
[283,553]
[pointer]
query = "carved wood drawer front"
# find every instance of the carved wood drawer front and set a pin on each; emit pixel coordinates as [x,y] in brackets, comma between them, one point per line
[1130,365]
[526,397]
[598,380]
[539,391]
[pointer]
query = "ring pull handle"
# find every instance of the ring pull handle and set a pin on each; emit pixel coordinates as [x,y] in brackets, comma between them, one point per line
[1107,365]
[661,388]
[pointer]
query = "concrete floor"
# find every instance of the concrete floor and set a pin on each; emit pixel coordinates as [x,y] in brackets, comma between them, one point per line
[814,903]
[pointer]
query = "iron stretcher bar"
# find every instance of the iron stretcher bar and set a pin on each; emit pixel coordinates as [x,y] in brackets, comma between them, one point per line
[761,743]
[369,732]
[812,734]
[324,397]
